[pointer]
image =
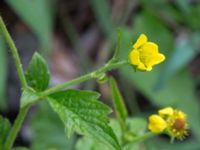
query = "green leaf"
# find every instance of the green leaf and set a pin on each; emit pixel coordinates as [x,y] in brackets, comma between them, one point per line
[118,102]
[161,144]
[136,126]
[37,74]
[4,130]
[103,17]
[3,70]
[28,97]
[82,112]
[48,130]
[184,49]
[38,15]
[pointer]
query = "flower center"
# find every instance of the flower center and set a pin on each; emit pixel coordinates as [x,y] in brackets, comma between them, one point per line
[145,56]
[179,124]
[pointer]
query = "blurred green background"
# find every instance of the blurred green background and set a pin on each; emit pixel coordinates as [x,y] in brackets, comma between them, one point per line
[78,36]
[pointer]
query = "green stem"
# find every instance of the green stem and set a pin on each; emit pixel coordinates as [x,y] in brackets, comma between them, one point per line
[14,53]
[16,127]
[143,137]
[119,41]
[18,122]
[94,74]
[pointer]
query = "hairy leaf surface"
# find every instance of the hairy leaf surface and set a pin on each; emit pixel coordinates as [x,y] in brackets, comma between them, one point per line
[82,112]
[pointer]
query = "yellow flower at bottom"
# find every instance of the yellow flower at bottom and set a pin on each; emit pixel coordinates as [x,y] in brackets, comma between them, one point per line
[144,54]
[170,121]
[156,124]
[177,125]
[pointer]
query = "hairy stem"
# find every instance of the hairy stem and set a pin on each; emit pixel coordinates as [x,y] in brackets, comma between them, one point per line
[14,53]
[18,122]
[84,78]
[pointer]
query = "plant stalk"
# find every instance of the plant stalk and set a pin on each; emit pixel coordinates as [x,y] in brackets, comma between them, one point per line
[14,53]
[16,127]
[86,77]
[19,120]
[143,137]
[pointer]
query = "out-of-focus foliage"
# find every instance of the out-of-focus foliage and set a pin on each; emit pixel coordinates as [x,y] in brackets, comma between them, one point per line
[20,148]
[103,17]
[3,71]
[38,15]
[48,131]
[161,143]
[186,49]
[4,130]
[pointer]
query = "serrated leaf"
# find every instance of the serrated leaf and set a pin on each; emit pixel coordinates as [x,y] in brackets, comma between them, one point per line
[136,126]
[118,102]
[37,74]
[4,130]
[82,112]
[28,97]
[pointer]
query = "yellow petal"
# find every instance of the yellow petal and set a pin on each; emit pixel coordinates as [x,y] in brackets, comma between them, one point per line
[167,111]
[150,48]
[158,59]
[149,68]
[134,57]
[140,41]
[180,114]
[156,124]
[141,67]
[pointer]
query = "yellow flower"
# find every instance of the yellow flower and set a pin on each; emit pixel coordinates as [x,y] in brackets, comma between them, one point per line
[156,124]
[144,54]
[177,125]
[170,121]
